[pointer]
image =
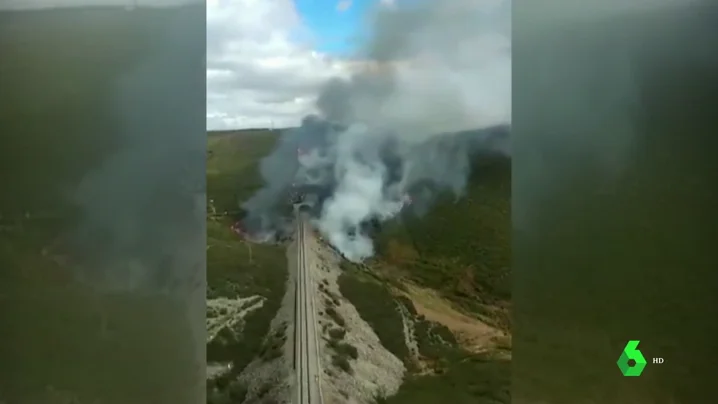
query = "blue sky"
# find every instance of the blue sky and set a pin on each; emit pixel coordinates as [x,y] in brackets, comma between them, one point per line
[335,30]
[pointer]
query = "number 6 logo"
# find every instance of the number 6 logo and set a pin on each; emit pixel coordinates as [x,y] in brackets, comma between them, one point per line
[631,353]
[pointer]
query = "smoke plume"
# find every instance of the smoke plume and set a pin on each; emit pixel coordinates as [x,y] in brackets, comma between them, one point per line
[434,90]
[143,208]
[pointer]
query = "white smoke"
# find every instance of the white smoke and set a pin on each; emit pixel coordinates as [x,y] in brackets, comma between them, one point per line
[435,70]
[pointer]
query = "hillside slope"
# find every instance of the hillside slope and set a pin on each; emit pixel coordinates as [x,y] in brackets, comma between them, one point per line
[438,292]
[238,274]
[446,275]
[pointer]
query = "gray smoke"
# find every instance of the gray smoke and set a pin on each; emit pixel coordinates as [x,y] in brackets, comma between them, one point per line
[399,130]
[143,208]
[142,227]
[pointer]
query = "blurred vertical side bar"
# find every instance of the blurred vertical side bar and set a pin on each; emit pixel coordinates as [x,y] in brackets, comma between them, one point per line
[615,200]
[102,202]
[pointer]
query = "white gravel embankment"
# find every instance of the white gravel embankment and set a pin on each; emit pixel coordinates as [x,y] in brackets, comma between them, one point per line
[376,371]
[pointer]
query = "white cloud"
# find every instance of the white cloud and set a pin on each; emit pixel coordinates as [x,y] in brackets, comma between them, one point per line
[344,5]
[258,71]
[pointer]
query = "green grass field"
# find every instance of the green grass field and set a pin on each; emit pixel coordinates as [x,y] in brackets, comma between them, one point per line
[233,269]
[58,121]
[232,167]
[460,248]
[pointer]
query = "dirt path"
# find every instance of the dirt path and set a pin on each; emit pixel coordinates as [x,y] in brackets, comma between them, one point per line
[471,332]
[229,313]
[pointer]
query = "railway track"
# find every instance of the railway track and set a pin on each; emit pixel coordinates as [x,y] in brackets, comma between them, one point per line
[306,348]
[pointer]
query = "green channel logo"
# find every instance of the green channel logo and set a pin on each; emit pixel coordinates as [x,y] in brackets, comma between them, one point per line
[631,354]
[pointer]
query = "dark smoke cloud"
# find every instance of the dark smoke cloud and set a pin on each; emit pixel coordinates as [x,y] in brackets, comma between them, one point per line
[142,230]
[402,129]
[143,208]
